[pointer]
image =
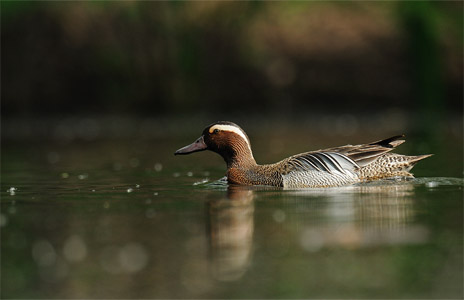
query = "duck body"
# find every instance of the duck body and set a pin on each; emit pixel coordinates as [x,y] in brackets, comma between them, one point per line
[322,168]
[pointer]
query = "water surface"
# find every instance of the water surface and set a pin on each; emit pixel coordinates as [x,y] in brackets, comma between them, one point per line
[127,219]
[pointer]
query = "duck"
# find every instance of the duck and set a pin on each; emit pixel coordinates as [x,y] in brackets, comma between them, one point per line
[331,167]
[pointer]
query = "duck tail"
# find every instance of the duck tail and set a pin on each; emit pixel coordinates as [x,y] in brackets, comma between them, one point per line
[412,160]
[390,165]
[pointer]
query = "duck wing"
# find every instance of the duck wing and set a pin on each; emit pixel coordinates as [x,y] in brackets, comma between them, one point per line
[364,154]
[341,160]
[321,161]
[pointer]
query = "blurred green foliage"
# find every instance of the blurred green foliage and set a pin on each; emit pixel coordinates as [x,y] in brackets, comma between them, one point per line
[154,58]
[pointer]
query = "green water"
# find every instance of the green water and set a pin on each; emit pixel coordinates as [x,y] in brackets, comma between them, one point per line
[127,219]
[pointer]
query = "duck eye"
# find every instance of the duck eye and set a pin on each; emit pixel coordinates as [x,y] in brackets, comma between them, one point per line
[216,130]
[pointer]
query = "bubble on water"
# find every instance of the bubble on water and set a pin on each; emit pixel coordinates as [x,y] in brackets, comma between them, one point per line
[432,184]
[176,174]
[279,215]
[158,167]
[53,157]
[93,191]
[137,185]
[83,176]
[3,220]
[134,162]
[12,191]
[43,253]
[130,190]
[133,257]
[155,193]
[75,249]
[64,175]
[189,174]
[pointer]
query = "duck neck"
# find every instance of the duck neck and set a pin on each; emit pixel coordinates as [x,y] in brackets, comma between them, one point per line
[239,156]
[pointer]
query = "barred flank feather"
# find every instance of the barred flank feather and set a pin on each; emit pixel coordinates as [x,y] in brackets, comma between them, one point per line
[390,165]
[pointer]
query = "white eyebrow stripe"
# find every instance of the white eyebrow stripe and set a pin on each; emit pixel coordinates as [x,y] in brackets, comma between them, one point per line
[231,129]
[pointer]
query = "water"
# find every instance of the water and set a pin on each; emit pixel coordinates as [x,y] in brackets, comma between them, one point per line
[127,219]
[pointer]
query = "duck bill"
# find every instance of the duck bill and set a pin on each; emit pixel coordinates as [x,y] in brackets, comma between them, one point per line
[198,145]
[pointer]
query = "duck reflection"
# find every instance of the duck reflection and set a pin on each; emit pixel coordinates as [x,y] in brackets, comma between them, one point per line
[351,217]
[230,229]
[361,216]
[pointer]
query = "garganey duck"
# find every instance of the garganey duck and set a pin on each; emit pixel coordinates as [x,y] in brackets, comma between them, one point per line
[322,168]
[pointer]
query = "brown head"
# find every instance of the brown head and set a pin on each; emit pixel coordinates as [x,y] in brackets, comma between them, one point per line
[228,140]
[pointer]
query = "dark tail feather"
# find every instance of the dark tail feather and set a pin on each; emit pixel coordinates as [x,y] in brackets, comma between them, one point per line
[392,142]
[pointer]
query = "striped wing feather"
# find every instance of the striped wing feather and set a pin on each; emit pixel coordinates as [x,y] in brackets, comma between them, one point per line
[330,162]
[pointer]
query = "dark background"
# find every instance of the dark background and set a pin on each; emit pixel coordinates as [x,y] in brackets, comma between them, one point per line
[162,58]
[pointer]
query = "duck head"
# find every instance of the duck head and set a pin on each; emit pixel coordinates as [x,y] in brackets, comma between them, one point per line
[225,138]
